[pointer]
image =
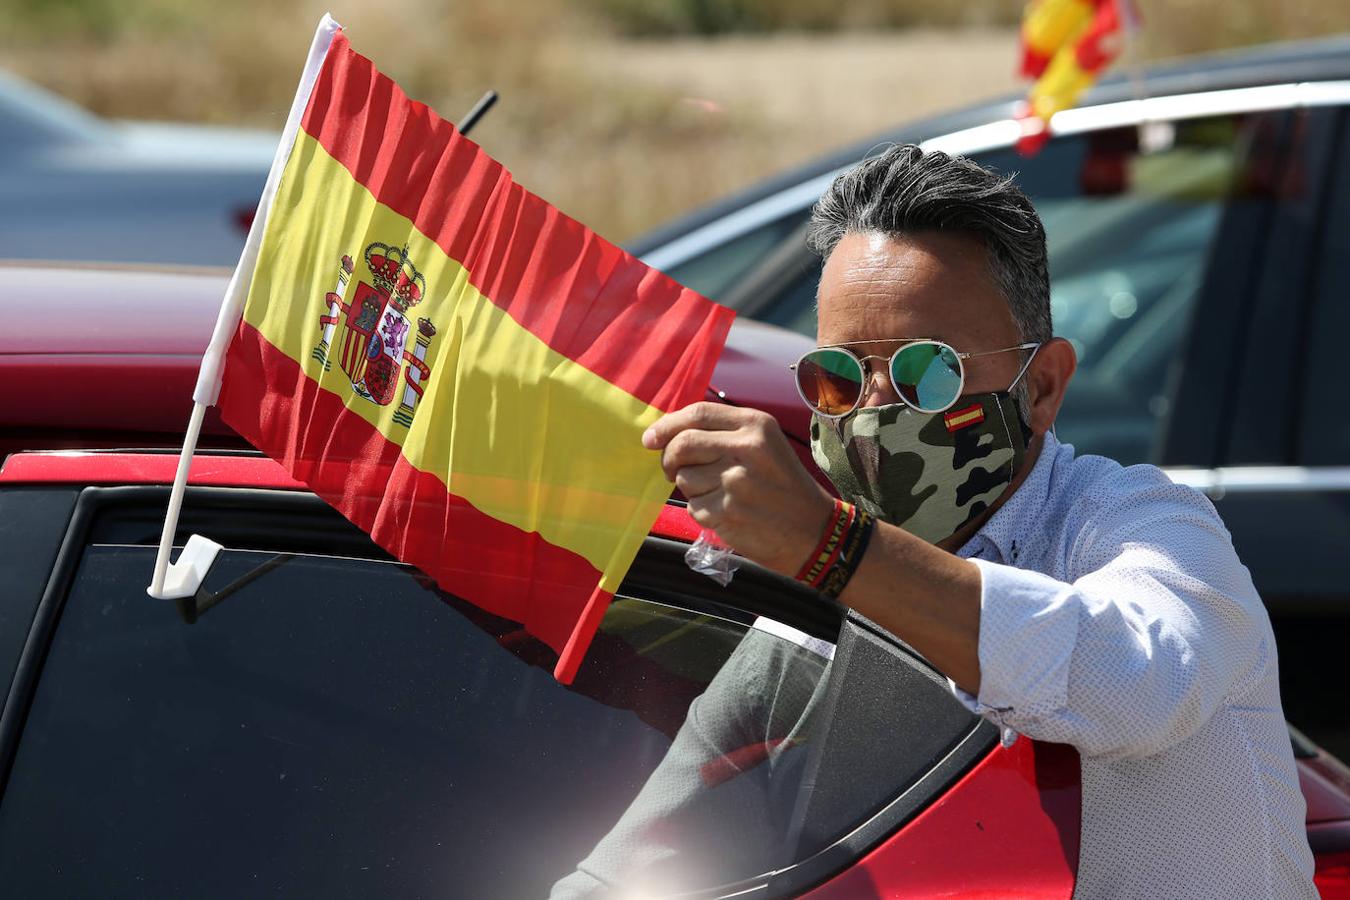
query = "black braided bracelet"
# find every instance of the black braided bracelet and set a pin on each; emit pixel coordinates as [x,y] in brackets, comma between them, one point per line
[850,554]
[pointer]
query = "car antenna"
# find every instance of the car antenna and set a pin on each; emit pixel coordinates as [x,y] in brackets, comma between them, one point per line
[485,102]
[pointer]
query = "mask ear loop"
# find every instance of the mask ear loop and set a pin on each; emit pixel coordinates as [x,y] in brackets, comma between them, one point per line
[1023,371]
[1003,417]
[1020,373]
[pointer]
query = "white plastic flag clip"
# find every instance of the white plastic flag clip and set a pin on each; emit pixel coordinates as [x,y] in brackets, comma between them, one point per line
[184,578]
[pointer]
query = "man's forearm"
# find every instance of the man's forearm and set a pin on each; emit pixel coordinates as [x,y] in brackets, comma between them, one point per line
[927,597]
[745,482]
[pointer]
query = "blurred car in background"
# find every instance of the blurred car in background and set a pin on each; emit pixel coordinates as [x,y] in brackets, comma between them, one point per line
[321,720]
[77,187]
[1198,220]
[149,325]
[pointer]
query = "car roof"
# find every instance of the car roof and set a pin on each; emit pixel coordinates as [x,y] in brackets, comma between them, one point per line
[104,356]
[74,308]
[107,356]
[1325,59]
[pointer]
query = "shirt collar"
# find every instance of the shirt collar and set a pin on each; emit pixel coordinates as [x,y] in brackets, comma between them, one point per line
[1012,520]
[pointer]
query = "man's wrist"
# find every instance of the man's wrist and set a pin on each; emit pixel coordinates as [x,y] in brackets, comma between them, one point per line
[840,550]
[827,548]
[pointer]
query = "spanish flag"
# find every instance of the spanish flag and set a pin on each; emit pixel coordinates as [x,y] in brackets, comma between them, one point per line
[460,369]
[1066,45]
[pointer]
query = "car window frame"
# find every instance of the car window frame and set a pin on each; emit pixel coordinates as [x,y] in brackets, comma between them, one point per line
[33,522]
[982,128]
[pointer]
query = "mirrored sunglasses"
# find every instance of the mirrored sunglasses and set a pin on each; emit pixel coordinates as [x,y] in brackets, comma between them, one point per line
[929,376]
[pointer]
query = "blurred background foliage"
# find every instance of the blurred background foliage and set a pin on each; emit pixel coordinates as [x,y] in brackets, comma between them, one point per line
[622,112]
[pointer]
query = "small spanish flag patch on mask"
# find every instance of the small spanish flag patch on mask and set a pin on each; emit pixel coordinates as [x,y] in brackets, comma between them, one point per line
[964,418]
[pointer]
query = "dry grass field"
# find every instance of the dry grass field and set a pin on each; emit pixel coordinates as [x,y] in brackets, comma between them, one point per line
[621,131]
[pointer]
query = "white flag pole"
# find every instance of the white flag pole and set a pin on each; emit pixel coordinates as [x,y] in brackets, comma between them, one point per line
[184,577]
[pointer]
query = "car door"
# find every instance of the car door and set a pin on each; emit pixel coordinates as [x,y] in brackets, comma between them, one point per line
[322,721]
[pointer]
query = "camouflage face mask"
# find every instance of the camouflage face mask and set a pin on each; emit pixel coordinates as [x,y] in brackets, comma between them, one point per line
[929,473]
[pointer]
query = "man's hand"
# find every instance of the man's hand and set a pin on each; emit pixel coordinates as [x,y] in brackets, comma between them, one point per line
[743,481]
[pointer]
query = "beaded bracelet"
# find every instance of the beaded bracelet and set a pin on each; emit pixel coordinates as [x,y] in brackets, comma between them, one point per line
[851,550]
[835,559]
[820,560]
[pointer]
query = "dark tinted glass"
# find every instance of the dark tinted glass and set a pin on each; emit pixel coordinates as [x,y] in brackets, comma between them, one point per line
[1323,437]
[1130,218]
[830,380]
[331,729]
[339,728]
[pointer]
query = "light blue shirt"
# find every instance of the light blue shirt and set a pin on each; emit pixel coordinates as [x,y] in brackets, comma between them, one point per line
[1115,616]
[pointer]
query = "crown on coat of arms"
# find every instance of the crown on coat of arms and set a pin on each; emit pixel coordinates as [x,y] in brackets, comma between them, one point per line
[395,275]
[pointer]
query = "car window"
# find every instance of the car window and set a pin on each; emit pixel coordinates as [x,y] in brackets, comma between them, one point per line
[714,270]
[1129,232]
[1322,439]
[31,118]
[324,726]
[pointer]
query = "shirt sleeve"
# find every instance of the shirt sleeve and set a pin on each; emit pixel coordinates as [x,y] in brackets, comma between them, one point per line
[1138,652]
[717,806]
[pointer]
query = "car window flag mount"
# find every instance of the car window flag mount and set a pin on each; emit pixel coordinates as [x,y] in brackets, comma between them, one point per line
[524,487]
[184,577]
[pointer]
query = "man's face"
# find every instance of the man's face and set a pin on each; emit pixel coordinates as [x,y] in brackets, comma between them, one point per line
[927,285]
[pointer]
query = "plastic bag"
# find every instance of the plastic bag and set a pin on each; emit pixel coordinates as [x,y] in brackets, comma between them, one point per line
[713,558]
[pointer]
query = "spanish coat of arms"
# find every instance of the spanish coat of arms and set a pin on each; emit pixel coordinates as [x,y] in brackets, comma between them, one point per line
[378,344]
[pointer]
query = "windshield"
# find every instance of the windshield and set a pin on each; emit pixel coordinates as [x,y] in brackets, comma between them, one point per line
[31,117]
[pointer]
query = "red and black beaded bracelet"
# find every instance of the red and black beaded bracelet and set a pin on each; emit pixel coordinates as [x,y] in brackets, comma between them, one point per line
[835,559]
[820,560]
[851,551]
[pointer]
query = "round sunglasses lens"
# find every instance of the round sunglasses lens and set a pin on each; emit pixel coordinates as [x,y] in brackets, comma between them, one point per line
[927,375]
[830,381]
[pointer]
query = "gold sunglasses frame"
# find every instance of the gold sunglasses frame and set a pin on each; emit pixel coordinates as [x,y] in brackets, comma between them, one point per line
[961,358]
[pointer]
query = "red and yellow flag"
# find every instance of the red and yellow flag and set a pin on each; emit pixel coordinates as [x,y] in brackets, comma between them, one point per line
[1066,45]
[456,366]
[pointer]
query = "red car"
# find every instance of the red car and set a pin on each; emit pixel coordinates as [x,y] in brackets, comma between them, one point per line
[320,720]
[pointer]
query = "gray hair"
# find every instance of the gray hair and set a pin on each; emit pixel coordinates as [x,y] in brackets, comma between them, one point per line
[904,191]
